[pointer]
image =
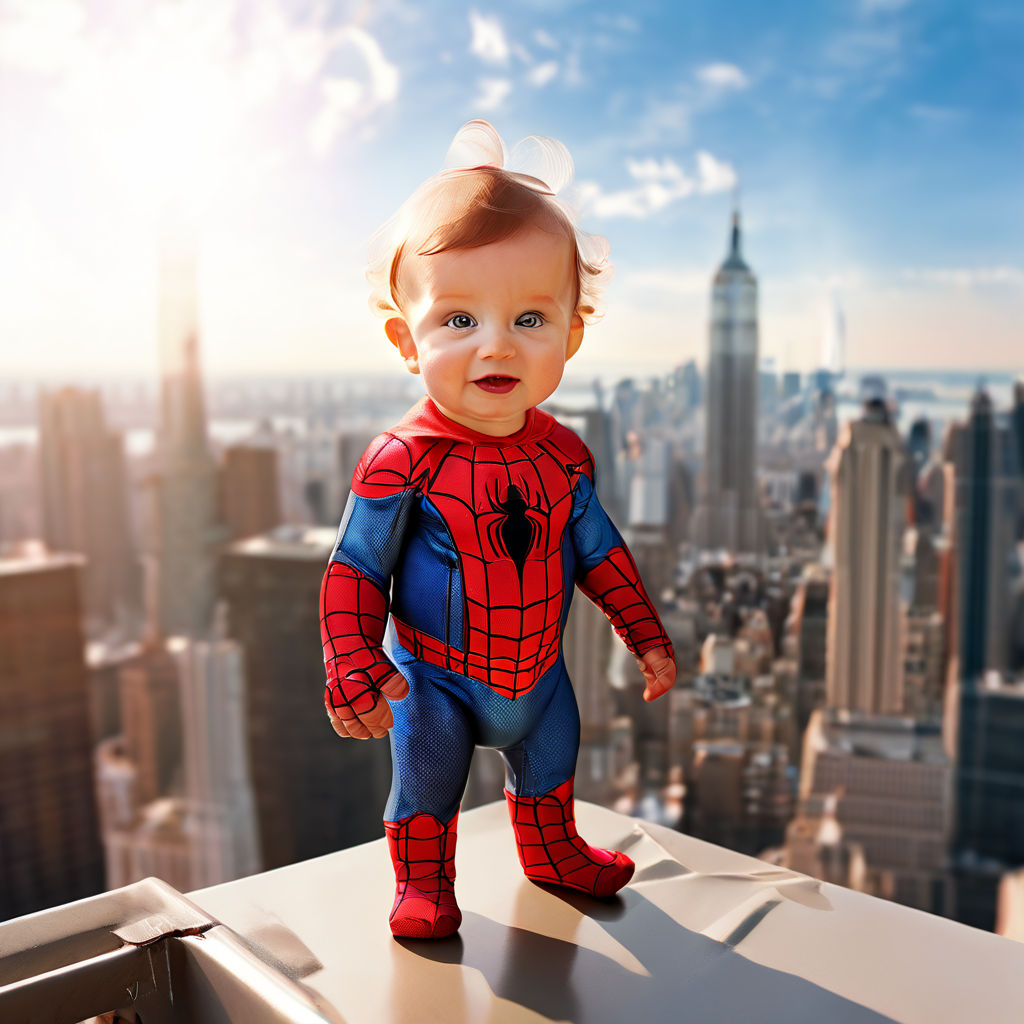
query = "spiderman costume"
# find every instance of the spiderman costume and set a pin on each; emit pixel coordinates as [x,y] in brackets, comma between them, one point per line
[470,546]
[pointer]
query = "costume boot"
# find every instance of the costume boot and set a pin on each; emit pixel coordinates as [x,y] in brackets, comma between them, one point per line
[423,853]
[550,849]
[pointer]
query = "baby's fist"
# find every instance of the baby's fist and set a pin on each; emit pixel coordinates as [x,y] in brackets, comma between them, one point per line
[659,671]
[358,709]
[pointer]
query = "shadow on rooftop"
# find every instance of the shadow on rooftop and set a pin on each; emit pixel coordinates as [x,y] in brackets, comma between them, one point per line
[684,971]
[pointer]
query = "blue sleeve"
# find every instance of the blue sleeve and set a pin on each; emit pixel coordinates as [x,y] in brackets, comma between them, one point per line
[593,534]
[372,532]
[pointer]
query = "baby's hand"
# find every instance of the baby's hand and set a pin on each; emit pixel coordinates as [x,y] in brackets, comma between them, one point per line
[659,671]
[352,719]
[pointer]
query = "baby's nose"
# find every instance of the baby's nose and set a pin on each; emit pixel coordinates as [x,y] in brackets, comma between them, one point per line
[497,344]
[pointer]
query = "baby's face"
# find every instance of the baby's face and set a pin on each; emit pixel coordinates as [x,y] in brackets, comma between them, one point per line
[490,328]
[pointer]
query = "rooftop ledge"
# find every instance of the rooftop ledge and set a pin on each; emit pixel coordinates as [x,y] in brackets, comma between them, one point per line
[700,932]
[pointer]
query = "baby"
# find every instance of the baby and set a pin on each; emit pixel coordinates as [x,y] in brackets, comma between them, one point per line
[468,525]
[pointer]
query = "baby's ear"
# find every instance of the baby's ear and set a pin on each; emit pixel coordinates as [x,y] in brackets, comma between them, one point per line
[575,336]
[400,336]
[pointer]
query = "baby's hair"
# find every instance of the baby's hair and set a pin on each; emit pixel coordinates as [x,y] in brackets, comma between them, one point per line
[465,207]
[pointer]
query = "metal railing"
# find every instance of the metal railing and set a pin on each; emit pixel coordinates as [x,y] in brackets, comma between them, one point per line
[148,949]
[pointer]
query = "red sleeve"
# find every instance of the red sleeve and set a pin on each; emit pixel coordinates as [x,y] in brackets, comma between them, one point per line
[354,593]
[615,587]
[353,615]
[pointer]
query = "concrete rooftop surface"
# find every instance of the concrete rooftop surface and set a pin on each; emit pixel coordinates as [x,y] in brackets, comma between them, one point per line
[700,934]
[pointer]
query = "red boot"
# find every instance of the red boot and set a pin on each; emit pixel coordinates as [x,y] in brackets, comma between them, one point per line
[550,849]
[423,853]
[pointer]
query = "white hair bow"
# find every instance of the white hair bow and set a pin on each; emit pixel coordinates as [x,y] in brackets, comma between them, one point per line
[546,161]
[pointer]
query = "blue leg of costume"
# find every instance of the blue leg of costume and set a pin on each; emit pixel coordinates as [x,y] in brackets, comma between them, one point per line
[446,715]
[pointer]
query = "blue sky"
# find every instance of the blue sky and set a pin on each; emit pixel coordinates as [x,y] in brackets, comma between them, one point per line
[878,145]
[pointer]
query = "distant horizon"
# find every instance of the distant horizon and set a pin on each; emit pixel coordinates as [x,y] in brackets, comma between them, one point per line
[396,376]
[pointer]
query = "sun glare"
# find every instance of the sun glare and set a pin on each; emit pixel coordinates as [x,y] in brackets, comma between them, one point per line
[162,121]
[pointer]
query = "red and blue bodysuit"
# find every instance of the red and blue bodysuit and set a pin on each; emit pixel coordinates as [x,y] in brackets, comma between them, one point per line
[455,563]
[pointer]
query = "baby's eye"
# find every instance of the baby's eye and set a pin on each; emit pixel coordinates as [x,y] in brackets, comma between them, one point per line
[530,320]
[460,321]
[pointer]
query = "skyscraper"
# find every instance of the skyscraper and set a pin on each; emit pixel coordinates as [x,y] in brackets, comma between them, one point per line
[186,483]
[988,836]
[49,838]
[1017,428]
[85,499]
[1017,420]
[728,513]
[869,477]
[314,792]
[988,720]
[982,510]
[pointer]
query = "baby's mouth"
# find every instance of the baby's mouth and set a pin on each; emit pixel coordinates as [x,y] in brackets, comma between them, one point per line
[496,385]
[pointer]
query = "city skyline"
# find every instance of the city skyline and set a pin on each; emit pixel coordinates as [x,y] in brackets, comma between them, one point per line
[873,142]
[727,758]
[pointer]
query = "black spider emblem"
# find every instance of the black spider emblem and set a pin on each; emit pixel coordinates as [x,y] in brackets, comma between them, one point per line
[517,525]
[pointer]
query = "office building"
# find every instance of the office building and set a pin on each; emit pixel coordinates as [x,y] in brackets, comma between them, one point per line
[868,474]
[49,837]
[315,792]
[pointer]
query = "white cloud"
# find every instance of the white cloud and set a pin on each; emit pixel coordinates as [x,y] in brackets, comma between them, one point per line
[649,170]
[493,92]
[542,73]
[488,42]
[722,77]
[714,175]
[965,278]
[346,100]
[384,76]
[340,102]
[659,184]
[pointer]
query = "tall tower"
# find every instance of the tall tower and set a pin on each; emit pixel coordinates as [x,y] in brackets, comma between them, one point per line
[983,506]
[869,482]
[186,486]
[981,503]
[728,513]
